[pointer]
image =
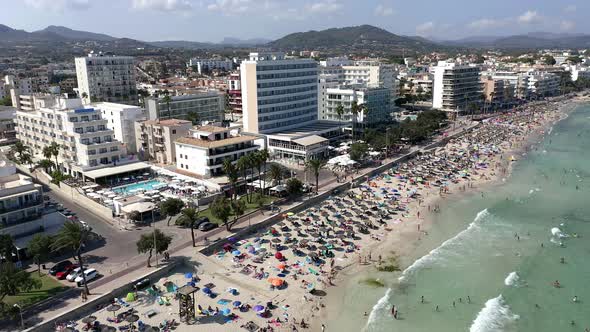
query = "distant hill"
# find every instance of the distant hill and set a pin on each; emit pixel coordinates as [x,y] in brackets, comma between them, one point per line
[533,40]
[366,36]
[12,35]
[190,45]
[244,42]
[76,34]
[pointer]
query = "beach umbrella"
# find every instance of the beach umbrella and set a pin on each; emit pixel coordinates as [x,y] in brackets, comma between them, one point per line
[206,290]
[114,308]
[290,214]
[237,303]
[232,239]
[281,266]
[132,318]
[107,328]
[278,255]
[188,275]
[236,253]
[251,249]
[258,308]
[225,311]
[152,329]
[277,282]
[88,319]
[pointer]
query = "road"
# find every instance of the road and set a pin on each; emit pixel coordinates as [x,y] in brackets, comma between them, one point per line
[119,249]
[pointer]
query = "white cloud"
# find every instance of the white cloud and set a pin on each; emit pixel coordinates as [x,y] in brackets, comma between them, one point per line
[383,10]
[162,5]
[570,8]
[59,4]
[324,6]
[529,17]
[232,7]
[566,25]
[486,23]
[426,28]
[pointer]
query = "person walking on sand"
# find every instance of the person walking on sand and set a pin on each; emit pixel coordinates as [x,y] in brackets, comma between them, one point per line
[422,299]
[323,327]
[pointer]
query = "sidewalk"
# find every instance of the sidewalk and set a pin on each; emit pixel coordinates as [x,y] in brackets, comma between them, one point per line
[134,270]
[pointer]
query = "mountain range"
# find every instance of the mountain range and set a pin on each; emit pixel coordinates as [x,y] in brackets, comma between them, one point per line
[356,38]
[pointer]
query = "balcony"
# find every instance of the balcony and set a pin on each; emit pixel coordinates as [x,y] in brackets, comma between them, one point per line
[21,206]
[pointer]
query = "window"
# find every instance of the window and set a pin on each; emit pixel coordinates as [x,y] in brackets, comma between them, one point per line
[91,152]
[173,131]
[102,150]
[181,165]
[181,155]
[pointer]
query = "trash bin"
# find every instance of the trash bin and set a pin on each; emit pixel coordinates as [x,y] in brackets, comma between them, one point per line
[43,266]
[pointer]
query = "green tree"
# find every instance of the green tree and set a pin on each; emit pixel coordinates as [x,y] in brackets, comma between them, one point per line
[14,281]
[294,187]
[276,172]
[193,117]
[157,240]
[358,151]
[221,209]
[171,207]
[243,165]
[52,150]
[40,248]
[73,236]
[134,215]
[188,217]
[238,208]
[316,165]
[6,101]
[550,60]
[339,114]
[231,171]
[167,100]
[46,164]
[6,246]
[355,109]
[259,160]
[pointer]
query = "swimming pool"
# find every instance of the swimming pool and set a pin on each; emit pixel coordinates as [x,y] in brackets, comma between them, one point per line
[131,188]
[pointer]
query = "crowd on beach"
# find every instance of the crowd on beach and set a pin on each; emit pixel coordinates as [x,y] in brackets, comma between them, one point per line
[276,279]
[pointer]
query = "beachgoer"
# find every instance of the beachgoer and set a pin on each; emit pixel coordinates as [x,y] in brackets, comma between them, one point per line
[436,309]
[323,327]
[422,299]
[366,314]
[537,306]
[468,299]
[575,299]
[453,304]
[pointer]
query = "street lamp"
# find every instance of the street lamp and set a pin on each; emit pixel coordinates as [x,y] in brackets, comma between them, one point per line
[20,310]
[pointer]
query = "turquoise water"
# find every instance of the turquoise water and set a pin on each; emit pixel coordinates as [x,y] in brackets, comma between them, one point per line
[147,185]
[502,250]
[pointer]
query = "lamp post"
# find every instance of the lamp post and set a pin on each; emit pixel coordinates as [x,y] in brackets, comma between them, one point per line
[20,310]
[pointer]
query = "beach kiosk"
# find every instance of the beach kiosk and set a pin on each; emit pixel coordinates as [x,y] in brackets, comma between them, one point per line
[186,303]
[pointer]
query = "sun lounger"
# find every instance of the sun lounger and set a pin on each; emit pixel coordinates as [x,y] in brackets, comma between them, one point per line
[150,313]
[121,302]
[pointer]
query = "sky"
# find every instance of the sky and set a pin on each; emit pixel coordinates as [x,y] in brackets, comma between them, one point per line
[212,20]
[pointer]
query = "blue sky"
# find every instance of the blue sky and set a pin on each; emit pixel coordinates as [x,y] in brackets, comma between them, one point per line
[212,20]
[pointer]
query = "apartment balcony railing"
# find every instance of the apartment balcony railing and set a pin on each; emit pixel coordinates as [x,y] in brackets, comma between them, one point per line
[21,206]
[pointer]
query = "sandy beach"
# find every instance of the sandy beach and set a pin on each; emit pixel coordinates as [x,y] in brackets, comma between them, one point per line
[298,269]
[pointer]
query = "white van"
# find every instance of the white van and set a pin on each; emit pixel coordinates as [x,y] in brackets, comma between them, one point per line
[89,273]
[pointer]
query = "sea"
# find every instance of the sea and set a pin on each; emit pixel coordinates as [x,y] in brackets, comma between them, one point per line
[491,259]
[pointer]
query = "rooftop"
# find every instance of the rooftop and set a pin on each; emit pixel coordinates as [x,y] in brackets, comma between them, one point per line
[215,144]
[166,123]
[212,129]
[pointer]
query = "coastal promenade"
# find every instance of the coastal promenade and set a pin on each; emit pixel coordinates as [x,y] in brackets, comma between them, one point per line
[54,309]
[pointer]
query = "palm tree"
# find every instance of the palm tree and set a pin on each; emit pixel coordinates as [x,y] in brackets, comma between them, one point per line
[275,172]
[339,113]
[316,165]
[189,217]
[167,100]
[263,156]
[54,149]
[73,236]
[243,165]
[232,175]
[46,164]
[171,207]
[22,151]
[355,109]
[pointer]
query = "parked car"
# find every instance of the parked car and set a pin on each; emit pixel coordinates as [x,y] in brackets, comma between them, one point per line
[90,275]
[207,226]
[74,274]
[61,275]
[59,267]
[84,224]
[200,221]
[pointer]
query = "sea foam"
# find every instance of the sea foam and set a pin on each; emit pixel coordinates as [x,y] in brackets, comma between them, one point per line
[434,254]
[494,317]
[512,279]
[380,306]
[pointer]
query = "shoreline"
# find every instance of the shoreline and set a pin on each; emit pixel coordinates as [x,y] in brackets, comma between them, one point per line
[406,238]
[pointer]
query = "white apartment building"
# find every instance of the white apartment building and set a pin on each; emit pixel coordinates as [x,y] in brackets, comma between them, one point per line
[210,64]
[543,84]
[278,93]
[20,199]
[121,119]
[455,86]
[517,81]
[370,73]
[208,106]
[377,100]
[336,62]
[207,147]
[579,71]
[23,85]
[106,78]
[86,141]
[7,125]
